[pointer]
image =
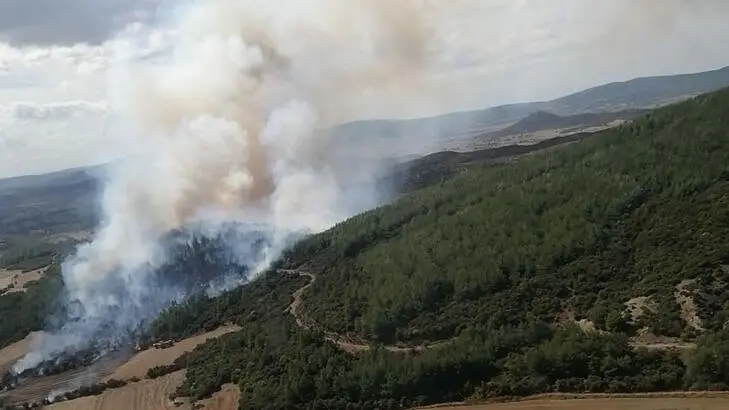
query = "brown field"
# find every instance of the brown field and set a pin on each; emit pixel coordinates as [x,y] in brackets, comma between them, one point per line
[151,395]
[226,399]
[649,401]
[138,365]
[39,388]
[10,354]
[19,279]
[143,395]
[120,366]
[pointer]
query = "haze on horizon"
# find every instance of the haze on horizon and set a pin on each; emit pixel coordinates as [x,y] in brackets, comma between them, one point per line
[55,59]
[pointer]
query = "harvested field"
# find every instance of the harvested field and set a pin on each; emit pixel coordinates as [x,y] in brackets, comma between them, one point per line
[143,395]
[7,277]
[656,401]
[138,365]
[18,279]
[119,367]
[37,389]
[226,399]
[151,395]
[605,404]
[10,354]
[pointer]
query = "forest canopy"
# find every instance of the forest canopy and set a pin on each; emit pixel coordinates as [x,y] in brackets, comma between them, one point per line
[500,264]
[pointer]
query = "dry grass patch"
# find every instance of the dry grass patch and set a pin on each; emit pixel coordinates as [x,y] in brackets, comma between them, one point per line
[138,365]
[152,395]
[16,280]
[226,399]
[10,354]
[656,401]
[143,395]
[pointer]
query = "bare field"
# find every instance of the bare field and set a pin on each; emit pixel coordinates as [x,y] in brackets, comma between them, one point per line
[19,279]
[37,389]
[226,399]
[138,365]
[151,395]
[119,367]
[10,354]
[143,395]
[657,401]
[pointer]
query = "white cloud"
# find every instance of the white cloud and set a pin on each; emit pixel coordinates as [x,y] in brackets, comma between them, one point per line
[487,52]
[46,137]
[44,22]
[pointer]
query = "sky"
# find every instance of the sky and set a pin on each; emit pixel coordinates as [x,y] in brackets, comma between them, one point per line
[58,58]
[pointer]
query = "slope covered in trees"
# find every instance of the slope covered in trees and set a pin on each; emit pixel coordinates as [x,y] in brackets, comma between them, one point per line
[498,261]
[574,231]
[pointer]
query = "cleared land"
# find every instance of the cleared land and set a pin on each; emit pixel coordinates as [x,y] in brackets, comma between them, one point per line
[37,389]
[113,368]
[226,399]
[151,395]
[670,402]
[138,365]
[10,354]
[18,279]
[143,395]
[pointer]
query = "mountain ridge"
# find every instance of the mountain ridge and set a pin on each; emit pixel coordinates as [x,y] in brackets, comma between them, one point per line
[637,93]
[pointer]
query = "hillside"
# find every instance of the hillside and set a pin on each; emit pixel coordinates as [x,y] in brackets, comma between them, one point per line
[65,201]
[575,232]
[473,288]
[640,92]
[59,202]
[542,120]
[484,281]
[441,166]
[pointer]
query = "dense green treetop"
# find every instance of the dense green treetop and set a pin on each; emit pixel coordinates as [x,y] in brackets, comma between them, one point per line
[575,230]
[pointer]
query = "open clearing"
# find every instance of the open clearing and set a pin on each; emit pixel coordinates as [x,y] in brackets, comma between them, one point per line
[18,279]
[138,365]
[143,395]
[116,367]
[150,395]
[10,354]
[226,399]
[37,389]
[657,401]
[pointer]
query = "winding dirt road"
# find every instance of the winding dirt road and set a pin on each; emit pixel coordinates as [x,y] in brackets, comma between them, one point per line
[355,345]
[347,344]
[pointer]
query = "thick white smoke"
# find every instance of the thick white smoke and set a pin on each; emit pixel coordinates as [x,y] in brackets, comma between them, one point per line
[225,124]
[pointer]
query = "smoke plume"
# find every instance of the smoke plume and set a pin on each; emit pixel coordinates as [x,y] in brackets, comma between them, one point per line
[226,128]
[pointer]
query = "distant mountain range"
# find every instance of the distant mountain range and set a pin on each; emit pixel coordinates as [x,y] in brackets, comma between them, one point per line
[639,93]
[604,103]
[543,120]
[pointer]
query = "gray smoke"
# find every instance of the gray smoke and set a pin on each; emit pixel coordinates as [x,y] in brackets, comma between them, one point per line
[226,129]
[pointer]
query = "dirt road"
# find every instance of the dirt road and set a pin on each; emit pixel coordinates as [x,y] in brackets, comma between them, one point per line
[354,345]
[348,344]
